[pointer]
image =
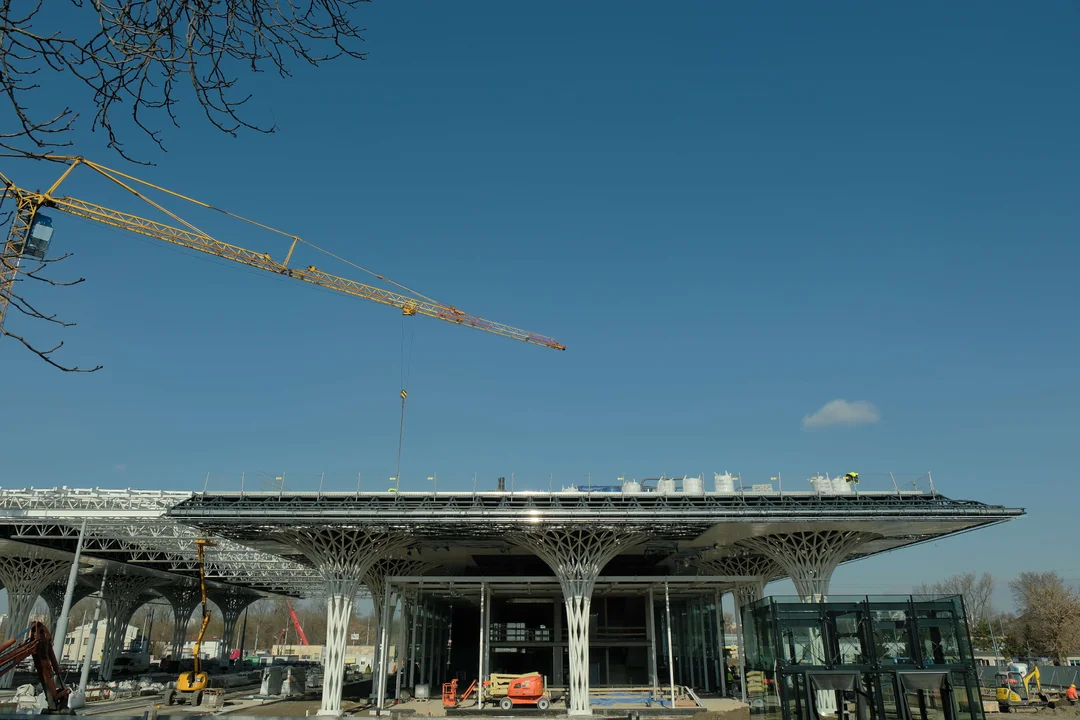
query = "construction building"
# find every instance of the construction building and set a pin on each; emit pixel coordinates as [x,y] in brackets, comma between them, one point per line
[591,589]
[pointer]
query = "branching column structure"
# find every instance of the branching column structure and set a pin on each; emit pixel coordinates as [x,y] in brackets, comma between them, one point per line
[577,555]
[53,595]
[184,597]
[375,579]
[25,577]
[124,594]
[231,603]
[758,570]
[343,557]
[809,558]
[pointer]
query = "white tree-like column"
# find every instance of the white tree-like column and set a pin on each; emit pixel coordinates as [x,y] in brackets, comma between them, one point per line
[53,595]
[184,597]
[231,603]
[577,555]
[759,571]
[343,557]
[25,577]
[809,558]
[124,594]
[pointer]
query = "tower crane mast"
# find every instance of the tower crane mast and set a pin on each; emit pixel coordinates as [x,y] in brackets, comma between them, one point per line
[30,233]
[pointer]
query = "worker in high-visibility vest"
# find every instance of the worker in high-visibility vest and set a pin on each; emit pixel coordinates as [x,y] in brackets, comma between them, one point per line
[1071,695]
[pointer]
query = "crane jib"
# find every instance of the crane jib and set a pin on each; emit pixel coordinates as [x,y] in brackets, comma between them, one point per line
[31,234]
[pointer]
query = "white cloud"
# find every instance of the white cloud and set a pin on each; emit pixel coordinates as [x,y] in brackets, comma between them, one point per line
[842,412]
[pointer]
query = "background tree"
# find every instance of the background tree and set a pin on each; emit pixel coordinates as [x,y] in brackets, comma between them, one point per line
[977,592]
[127,67]
[137,62]
[1048,615]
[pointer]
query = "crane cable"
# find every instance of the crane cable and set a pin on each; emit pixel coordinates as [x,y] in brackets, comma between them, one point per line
[114,175]
[406,368]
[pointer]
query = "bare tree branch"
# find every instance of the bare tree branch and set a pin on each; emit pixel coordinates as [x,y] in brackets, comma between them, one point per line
[45,354]
[144,57]
[139,55]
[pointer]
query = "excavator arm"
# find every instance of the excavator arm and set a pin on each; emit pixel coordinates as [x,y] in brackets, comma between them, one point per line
[38,645]
[28,203]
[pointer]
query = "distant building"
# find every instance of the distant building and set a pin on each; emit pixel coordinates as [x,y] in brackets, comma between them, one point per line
[208,650]
[77,641]
[362,655]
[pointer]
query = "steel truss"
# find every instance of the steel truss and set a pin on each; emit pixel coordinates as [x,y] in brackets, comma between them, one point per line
[131,526]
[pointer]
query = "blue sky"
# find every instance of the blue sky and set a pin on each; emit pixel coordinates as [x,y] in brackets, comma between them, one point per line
[730,214]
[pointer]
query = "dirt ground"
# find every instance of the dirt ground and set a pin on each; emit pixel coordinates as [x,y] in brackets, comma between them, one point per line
[739,713]
[1062,709]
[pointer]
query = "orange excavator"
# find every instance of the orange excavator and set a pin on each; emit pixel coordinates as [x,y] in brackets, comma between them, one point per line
[38,645]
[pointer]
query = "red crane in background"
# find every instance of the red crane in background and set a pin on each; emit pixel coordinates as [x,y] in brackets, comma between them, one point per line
[296,624]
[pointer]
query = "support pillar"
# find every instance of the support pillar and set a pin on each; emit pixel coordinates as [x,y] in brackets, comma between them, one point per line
[429,676]
[671,658]
[745,594]
[558,651]
[412,654]
[184,597]
[480,652]
[374,578]
[343,556]
[402,656]
[810,558]
[425,646]
[577,555]
[88,656]
[384,650]
[704,644]
[124,594]
[650,634]
[25,577]
[53,595]
[721,661]
[487,632]
[232,603]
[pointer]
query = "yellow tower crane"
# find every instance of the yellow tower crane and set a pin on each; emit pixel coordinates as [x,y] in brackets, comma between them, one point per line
[31,232]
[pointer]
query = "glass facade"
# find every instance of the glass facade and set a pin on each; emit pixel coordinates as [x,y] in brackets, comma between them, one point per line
[860,658]
[697,641]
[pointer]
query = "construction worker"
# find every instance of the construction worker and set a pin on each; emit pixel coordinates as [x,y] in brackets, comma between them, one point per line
[1071,695]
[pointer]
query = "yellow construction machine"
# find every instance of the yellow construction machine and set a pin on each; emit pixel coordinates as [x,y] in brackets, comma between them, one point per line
[190,685]
[1014,692]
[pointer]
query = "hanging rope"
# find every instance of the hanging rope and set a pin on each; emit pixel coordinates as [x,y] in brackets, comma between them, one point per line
[406,368]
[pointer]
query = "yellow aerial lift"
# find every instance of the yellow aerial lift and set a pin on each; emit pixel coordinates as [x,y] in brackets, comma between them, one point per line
[31,232]
[190,685]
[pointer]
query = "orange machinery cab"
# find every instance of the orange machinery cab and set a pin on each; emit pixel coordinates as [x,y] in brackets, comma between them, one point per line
[527,690]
